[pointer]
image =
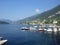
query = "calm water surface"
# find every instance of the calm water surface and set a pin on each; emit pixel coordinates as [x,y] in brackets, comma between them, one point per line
[16,36]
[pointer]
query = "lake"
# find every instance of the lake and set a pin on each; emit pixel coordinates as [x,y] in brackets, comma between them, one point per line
[15,36]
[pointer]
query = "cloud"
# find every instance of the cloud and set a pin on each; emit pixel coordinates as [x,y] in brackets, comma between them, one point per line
[37,10]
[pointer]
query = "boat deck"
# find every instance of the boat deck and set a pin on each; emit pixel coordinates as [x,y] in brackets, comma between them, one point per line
[2,42]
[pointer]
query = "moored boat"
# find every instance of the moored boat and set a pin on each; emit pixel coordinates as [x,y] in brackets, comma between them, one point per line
[55,29]
[45,29]
[2,41]
[40,29]
[59,29]
[49,29]
[24,28]
[32,28]
[35,26]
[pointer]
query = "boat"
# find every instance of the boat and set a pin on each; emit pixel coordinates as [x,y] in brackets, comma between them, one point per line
[2,41]
[35,26]
[45,29]
[55,29]
[49,29]
[40,29]
[24,28]
[32,28]
[59,29]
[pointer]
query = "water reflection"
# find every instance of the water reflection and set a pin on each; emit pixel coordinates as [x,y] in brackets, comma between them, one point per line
[54,36]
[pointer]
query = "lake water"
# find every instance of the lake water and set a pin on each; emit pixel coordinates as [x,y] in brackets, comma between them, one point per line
[15,36]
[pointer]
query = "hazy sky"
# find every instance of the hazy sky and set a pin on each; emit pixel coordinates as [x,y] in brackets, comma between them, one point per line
[19,9]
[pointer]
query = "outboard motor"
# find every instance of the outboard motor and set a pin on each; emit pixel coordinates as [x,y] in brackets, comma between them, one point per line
[1,38]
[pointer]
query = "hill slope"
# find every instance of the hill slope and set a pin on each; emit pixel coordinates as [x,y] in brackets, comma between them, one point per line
[5,21]
[45,17]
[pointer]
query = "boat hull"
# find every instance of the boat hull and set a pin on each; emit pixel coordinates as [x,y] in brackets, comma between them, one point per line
[2,42]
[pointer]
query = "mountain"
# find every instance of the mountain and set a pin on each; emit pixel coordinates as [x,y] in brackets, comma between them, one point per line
[5,21]
[46,17]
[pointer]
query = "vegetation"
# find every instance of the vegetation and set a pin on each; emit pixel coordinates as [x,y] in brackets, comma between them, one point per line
[46,17]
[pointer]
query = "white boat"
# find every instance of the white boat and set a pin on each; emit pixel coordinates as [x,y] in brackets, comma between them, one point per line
[55,29]
[2,41]
[59,29]
[32,28]
[45,29]
[35,26]
[49,29]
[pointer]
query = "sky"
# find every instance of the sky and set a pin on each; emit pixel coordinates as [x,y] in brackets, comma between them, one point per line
[20,9]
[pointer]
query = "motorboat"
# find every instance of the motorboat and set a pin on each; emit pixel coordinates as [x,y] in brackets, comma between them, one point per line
[49,29]
[24,28]
[35,26]
[45,29]
[40,29]
[32,28]
[55,29]
[2,41]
